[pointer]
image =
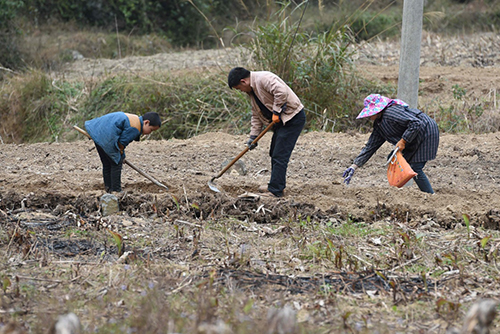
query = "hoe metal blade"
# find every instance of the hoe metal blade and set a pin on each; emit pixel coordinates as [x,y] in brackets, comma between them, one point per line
[212,186]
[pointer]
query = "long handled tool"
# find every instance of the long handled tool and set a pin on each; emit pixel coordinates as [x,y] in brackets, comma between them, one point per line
[211,184]
[150,178]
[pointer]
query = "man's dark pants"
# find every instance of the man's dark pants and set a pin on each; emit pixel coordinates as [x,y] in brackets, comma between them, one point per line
[111,172]
[282,144]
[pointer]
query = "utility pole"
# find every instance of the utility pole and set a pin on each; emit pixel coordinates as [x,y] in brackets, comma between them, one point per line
[409,58]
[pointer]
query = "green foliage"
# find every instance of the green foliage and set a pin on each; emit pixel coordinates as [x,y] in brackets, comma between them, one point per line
[467,223]
[118,241]
[188,105]
[372,24]
[10,54]
[8,11]
[318,68]
[39,112]
[179,20]
[317,65]
[201,23]
[457,16]
[352,229]
[43,110]
[463,114]
[5,283]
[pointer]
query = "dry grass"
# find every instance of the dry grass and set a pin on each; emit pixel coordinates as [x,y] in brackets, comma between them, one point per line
[50,47]
[226,275]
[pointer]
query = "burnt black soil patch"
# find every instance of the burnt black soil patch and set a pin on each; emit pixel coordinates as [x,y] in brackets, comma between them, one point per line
[73,247]
[374,282]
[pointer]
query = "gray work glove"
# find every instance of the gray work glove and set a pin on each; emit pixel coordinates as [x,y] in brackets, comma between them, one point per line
[249,143]
[348,173]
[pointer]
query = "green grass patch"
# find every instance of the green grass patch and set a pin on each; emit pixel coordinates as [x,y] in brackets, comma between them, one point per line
[355,229]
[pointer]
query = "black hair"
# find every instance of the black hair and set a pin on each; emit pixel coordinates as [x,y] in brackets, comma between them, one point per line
[153,118]
[235,76]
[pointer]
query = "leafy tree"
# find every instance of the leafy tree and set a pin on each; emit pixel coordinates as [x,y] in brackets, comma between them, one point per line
[9,52]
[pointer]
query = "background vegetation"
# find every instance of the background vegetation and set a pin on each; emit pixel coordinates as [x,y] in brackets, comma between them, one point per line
[310,44]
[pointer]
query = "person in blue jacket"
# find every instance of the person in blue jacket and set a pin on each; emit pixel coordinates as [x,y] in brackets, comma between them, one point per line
[111,134]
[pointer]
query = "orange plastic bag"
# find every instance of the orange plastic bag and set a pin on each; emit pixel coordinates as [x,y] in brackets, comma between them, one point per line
[399,171]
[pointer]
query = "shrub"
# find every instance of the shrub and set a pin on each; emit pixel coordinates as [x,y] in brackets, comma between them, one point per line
[10,55]
[468,113]
[375,24]
[189,105]
[30,107]
[319,68]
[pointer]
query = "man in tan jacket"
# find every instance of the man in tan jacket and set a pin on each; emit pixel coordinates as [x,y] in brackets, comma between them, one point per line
[272,100]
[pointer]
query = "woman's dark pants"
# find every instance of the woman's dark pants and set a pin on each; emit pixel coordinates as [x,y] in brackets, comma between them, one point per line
[111,172]
[421,179]
[282,144]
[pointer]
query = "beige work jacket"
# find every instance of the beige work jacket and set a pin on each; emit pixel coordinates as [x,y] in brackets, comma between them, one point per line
[273,92]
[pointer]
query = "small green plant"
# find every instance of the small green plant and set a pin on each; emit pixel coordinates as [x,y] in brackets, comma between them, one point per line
[447,309]
[176,201]
[5,283]
[74,231]
[451,259]
[467,224]
[353,229]
[463,114]
[346,326]
[458,92]
[248,306]
[484,241]
[482,244]
[118,240]
[424,279]
[338,255]
[304,223]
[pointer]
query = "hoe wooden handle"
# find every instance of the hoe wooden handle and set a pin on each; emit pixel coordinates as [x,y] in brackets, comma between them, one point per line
[244,151]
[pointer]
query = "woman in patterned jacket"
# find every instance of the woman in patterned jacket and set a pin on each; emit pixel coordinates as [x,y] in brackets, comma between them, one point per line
[412,131]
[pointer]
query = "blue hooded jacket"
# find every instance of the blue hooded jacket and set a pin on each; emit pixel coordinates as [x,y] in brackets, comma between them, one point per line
[112,129]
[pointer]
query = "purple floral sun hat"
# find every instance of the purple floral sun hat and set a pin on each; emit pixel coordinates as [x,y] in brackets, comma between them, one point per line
[375,103]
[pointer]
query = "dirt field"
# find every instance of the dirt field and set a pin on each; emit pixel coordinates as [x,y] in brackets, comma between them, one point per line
[50,188]
[465,175]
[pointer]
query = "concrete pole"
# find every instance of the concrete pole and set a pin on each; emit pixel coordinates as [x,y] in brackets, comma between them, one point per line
[409,59]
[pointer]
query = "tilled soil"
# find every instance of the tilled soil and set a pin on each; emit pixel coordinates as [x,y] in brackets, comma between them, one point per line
[464,175]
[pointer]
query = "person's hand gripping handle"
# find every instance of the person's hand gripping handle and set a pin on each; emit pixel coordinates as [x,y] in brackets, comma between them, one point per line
[401,145]
[250,141]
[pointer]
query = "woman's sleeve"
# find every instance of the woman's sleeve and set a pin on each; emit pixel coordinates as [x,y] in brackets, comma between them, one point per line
[373,144]
[413,124]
